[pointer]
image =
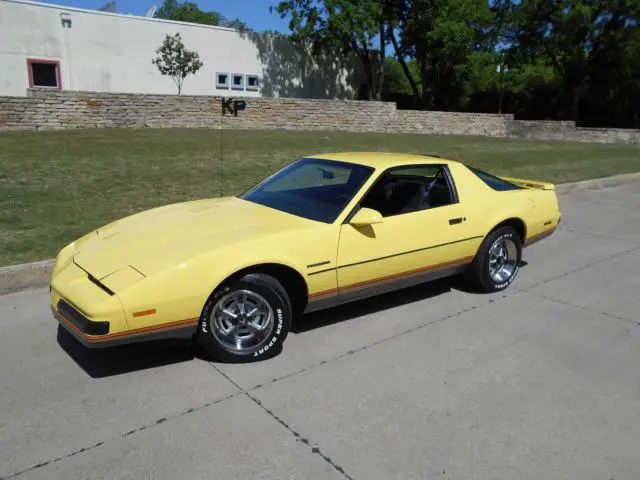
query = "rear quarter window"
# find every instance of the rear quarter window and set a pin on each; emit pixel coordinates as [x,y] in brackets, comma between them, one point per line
[493,181]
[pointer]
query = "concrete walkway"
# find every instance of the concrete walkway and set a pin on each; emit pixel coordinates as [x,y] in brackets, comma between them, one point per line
[540,381]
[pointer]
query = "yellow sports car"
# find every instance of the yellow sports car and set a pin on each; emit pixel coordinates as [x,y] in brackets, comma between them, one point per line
[233,272]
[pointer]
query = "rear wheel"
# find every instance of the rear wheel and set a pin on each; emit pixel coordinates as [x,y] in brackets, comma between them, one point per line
[498,260]
[246,320]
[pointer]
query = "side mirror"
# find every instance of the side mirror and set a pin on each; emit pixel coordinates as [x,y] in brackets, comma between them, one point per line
[366,216]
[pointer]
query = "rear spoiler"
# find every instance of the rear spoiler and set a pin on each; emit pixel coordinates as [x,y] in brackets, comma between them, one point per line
[530,183]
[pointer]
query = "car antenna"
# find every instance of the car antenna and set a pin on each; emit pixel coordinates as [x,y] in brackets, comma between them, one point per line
[221,155]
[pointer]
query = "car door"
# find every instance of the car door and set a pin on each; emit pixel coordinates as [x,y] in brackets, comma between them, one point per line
[415,242]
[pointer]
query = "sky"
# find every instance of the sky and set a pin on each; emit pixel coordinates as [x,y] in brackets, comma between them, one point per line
[255,13]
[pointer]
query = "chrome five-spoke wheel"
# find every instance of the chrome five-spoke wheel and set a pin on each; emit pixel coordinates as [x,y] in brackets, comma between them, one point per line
[245,320]
[242,319]
[497,261]
[503,259]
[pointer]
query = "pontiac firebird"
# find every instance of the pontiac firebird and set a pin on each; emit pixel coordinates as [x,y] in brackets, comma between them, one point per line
[232,273]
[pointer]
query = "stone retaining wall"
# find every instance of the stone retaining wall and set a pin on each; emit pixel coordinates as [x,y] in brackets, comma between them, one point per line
[452,123]
[551,130]
[45,109]
[64,110]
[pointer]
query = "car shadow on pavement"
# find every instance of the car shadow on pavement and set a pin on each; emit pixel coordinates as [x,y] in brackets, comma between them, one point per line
[100,363]
[375,304]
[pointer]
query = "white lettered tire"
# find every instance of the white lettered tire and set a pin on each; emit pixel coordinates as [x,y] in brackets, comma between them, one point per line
[497,262]
[246,320]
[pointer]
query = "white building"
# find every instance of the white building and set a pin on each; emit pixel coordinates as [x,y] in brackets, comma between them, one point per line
[51,46]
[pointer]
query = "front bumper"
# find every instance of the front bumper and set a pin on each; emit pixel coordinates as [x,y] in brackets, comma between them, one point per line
[78,326]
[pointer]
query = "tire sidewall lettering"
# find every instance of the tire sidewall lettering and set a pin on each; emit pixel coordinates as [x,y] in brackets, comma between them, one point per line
[274,339]
[206,311]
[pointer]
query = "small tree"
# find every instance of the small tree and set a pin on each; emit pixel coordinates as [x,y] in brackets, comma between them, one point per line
[175,61]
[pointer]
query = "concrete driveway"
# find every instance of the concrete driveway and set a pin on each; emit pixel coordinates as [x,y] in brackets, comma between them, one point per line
[541,381]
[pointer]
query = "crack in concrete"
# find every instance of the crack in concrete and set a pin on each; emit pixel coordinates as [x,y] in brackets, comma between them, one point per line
[124,435]
[600,202]
[373,344]
[55,460]
[181,414]
[578,269]
[586,309]
[314,449]
[598,235]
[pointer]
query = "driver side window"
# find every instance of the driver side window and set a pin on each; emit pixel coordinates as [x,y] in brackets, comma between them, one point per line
[410,189]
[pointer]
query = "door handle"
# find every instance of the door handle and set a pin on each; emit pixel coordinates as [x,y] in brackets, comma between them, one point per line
[456,221]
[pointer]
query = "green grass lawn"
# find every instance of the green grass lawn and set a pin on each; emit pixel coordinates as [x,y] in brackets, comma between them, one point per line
[56,186]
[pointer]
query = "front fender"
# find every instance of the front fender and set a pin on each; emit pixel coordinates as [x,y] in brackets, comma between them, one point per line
[179,293]
[180,288]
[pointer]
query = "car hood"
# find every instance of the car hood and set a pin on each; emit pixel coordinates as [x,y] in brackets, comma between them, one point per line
[163,237]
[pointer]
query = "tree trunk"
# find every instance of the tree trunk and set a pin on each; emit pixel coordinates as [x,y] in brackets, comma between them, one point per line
[368,72]
[571,96]
[403,64]
[383,56]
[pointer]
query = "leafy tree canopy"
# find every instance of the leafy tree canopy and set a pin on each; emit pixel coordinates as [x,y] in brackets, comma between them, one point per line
[190,12]
[565,59]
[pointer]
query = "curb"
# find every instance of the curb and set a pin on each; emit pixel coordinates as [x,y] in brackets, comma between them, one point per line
[597,183]
[33,275]
[28,275]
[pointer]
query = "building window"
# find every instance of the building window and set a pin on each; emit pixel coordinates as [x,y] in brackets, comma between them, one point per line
[222,80]
[237,81]
[44,73]
[252,82]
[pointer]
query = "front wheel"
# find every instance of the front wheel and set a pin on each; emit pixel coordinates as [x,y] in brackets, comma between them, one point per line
[498,260]
[246,320]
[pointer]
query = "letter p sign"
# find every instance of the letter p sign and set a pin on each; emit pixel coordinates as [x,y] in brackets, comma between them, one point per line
[229,105]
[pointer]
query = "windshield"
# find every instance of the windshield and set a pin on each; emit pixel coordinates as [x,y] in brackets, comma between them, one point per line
[311,188]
